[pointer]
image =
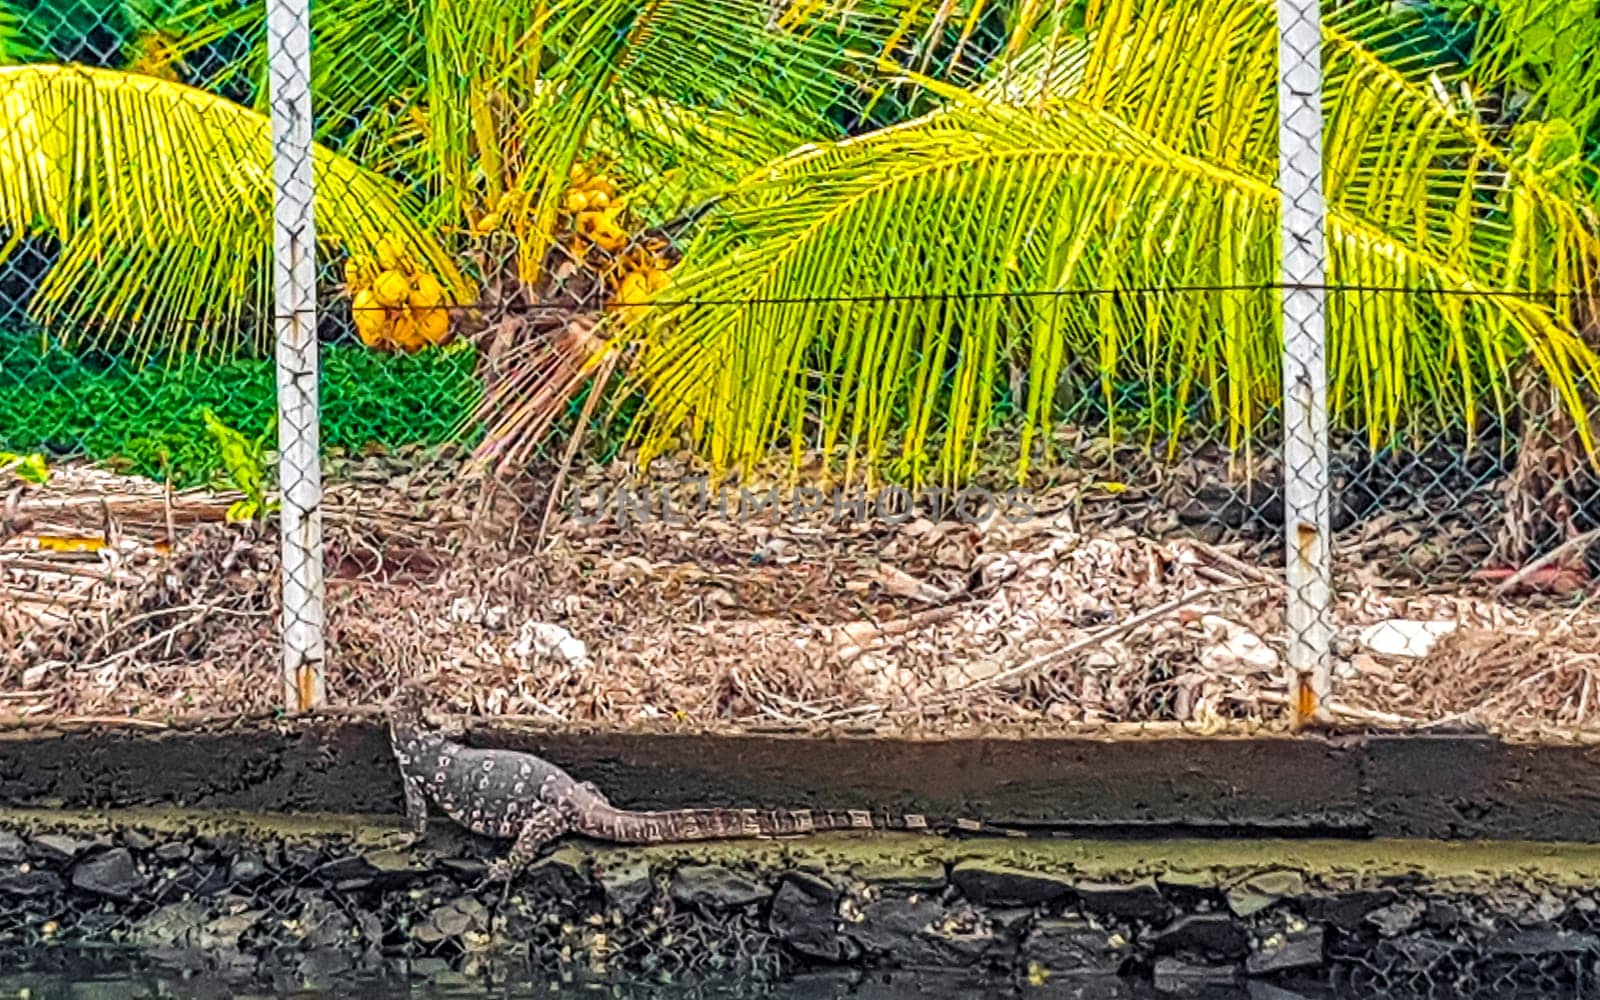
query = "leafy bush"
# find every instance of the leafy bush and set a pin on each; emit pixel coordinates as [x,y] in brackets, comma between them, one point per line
[150,420]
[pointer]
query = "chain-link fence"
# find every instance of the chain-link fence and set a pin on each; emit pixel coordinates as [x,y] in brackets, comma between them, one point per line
[764,364]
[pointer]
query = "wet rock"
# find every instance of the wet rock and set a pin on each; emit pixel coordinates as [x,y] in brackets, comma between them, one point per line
[1541,941]
[58,847]
[918,930]
[246,868]
[1173,975]
[1397,918]
[1441,915]
[989,882]
[1187,882]
[1067,945]
[1346,910]
[1139,900]
[1262,890]
[174,851]
[23,880]
[112,874]
[169,925]
[1287,950]
[12,848]
[1212,933]
[1258,990]
[452,919]
[803,916]
[713,887]
[1011,921]
[921,877]
[562,874]
[627,886]
[136,841]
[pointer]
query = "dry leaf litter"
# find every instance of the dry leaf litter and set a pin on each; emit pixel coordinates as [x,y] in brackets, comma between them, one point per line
[122,599]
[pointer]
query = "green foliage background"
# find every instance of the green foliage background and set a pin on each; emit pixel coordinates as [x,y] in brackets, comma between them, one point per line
[148,420]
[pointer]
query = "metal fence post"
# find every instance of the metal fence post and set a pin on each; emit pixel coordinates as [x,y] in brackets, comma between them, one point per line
[294,280]
[1304,267]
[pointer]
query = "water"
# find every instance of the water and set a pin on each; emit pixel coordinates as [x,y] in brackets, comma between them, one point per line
[91,977]
[109,979]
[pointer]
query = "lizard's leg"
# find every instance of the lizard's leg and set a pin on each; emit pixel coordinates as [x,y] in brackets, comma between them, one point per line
[542,825]
[416,806]
[593,789]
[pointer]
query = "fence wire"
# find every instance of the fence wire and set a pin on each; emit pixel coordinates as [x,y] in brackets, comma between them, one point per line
[780,365]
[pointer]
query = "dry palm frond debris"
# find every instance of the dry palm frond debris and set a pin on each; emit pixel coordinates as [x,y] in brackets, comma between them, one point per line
[122,598]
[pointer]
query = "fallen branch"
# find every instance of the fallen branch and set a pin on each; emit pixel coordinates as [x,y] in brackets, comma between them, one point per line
[1573,544]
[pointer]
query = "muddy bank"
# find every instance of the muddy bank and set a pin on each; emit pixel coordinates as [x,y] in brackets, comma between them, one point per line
[1144,783]
[323,900]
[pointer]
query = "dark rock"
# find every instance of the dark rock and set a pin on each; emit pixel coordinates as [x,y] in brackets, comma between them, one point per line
[21,880]
[58,847]
[1286,950]
[925,877]
[1262,890]
[466,868]
[1172,975]
[247,867]
[989,882]
[1258,990]
[190,927]
[12,848]
[1203,881]
[892,924]
[1441,915]
[627,886]
[303,856]
[1541,941]
[563,874]
[174,851]
[805,920]
[1011,921]
[713,887]
[323,925]
[112,873]
[133,840]
[1139,900]
[451,919]
[1213,933]
[815,886]
[1396,918]
[1064,945]
[918,930]
[1345,910]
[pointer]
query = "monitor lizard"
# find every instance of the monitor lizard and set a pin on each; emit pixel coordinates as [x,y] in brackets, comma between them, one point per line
[525,798]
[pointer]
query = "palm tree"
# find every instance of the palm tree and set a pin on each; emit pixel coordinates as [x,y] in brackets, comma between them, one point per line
[890,280]
[157,200]
[883,219]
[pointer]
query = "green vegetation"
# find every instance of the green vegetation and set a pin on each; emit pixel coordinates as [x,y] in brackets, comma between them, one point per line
[918,219]
[151,420]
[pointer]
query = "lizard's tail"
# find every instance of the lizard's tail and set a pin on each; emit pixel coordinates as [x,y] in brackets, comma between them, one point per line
[630,827]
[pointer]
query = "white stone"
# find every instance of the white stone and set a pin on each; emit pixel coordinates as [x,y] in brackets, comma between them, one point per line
[1405,636]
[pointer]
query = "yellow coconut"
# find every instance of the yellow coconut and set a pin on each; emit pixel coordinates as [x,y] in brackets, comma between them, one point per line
[433,325]
[392,289]
[387,253]
[426,292]
[576,201]
[369,318]
[404,334]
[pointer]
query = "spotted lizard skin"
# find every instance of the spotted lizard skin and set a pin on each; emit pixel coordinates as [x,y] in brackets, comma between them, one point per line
[524,798]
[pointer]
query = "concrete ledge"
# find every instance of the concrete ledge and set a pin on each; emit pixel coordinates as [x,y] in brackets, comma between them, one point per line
[1435,787]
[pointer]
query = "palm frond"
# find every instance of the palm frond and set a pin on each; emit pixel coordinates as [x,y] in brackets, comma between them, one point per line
[872,291]
[159,199]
